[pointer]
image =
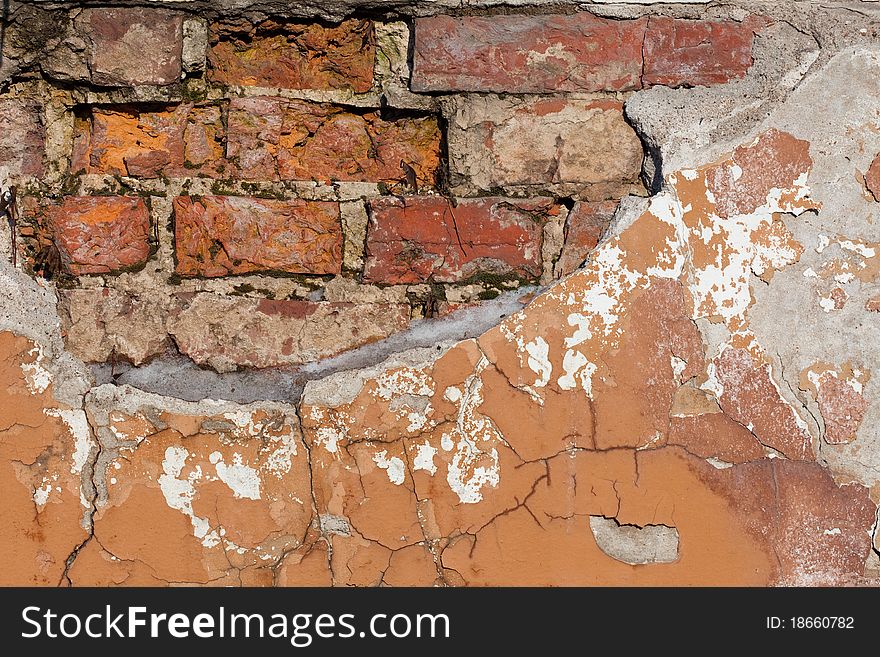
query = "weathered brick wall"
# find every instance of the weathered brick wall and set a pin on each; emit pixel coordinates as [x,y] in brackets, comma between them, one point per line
[216,200]
[319,166]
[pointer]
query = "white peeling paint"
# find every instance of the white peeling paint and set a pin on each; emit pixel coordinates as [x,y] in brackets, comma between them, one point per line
[41,494]
[424,459]
[241,479]
[404,382]
[36,377]
[446,442]
[329,437]
[394,466]
[179,492]
[280,460]
[575,364]
[452,394]
[538,361]
[78,424]
[678,365]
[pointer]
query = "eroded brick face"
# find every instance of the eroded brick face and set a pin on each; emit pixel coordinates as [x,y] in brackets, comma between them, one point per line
[697,53]
[294,56]
[412,240]
[527,54]
[99,234]
[271,138]
[134,46]
[22,137]
[577,52]
[544,142]
[222,235]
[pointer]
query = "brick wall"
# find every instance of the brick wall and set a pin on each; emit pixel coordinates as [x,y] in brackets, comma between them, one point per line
[252,174]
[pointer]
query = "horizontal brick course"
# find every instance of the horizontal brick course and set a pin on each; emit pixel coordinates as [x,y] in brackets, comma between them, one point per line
[576,52]
[527,54]
[221,235]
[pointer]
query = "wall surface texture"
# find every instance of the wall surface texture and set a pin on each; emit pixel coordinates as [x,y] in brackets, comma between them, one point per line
[440,293]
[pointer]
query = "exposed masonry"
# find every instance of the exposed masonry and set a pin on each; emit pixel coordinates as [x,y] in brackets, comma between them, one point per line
[223,314]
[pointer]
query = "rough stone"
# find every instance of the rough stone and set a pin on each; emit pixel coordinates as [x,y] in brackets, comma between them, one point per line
[227,332]
[100,324]
[22,138]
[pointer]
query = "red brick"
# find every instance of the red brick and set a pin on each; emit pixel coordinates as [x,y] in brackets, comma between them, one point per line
[584,226]
[527,54]
[127,141]
[420,238]
[100,234]
[22,138]
[134,46]
[270,138]
[294,56]
[691,53]
[220,235]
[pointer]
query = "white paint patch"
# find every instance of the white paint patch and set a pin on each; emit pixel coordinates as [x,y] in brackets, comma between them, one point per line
[862,249]
[404,382]
[393,466]
[713,383]
[41,494]
[179,492]
[78,424]
[36,377]
[241,479]
[473,466]
[424,459]
[329,437]
[466,480]
[452,394]
[446,442]
[832,532]
[539,361]
[718,464]
[577,370]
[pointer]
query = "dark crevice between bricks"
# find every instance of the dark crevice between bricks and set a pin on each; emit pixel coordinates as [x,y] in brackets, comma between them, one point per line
[652,164]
